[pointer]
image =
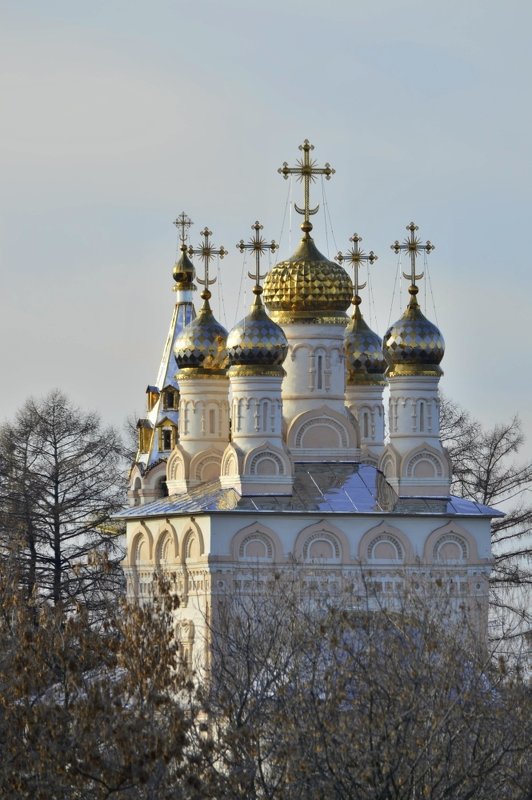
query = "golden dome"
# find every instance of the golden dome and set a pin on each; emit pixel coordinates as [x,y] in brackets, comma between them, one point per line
[183,272]
[202,343]
[413,345]
[307,287]
[365,362]
[257,340]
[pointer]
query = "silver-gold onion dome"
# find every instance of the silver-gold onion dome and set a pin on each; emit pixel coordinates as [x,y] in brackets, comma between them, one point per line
[413,345]
[256,341]
[365,362]
[202,344]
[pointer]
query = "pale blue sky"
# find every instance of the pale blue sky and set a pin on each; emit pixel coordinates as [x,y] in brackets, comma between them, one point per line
[118,115]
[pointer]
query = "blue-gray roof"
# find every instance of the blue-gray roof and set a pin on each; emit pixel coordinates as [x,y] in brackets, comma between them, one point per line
[325,488]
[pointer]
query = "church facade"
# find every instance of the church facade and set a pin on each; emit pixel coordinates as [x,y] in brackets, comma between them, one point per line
[265,449]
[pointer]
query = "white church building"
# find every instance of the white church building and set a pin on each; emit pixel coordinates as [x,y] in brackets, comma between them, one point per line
[267,447]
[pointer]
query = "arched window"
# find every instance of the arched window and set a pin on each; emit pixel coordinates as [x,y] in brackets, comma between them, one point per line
[366,425]
[265,415]
[421,416]
[212,420]
[319,372]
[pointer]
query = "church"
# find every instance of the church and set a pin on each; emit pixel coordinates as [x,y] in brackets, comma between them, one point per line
[267,448]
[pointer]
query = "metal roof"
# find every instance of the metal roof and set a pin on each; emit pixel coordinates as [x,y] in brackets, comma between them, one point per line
[337,488]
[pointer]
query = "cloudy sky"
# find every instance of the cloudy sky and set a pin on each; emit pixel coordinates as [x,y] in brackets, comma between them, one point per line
[119,114]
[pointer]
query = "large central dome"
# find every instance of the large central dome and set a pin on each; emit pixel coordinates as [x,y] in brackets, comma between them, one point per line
[307,287]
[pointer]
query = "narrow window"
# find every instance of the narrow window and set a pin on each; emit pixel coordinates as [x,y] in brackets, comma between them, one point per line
[366,425]
[265,417]
[421,416]
[170,400]
[167,439]
[319,372]
[212,420]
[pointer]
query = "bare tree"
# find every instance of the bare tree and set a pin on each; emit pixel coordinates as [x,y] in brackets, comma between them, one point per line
[92,712]
[486,469]
[312,700]
[60,480]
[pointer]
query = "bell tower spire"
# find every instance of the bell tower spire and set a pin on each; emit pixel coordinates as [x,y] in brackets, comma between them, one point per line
[158,431]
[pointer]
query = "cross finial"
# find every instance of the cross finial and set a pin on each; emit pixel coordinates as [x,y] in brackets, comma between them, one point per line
[183,222]
[413,246]
[258,245]
[306,170]
[356,258]
[206,251]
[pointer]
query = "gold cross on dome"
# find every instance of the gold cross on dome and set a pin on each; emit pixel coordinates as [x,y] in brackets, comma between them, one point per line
[207,251]
[356,258]
[306,170]
[257,245]
[183,222]
[413,246]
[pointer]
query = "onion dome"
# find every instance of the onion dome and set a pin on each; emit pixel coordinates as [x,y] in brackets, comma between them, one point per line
[307,287]
[413,345]
[256,340]
[365,362]
[202,343]
[183,272]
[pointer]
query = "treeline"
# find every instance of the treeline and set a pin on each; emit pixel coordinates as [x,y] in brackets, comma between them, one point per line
[305,701]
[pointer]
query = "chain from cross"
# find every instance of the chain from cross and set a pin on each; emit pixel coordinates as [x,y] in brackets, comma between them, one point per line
[257,245]
[356,258]
[306,170]
[207,252]
[413,246]
[184,222]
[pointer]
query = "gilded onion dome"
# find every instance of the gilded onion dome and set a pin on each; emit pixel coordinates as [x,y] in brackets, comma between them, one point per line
[257,341]
[365,362]
[183,272]
[202,344]
[413,345]
[307,287]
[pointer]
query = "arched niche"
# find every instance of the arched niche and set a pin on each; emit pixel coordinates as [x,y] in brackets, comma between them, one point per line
[425,463]
[205,466]
[322,429]
[385,544]
[256,542]
[166,545]
[266,460]
[141,550]
[322,543]
[192,544]
[450,544]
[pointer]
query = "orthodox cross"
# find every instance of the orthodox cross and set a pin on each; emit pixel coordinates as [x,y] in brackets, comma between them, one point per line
[257,245]
[356,257]
[207,251]
[184,222]
[306,170]
[413,246]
